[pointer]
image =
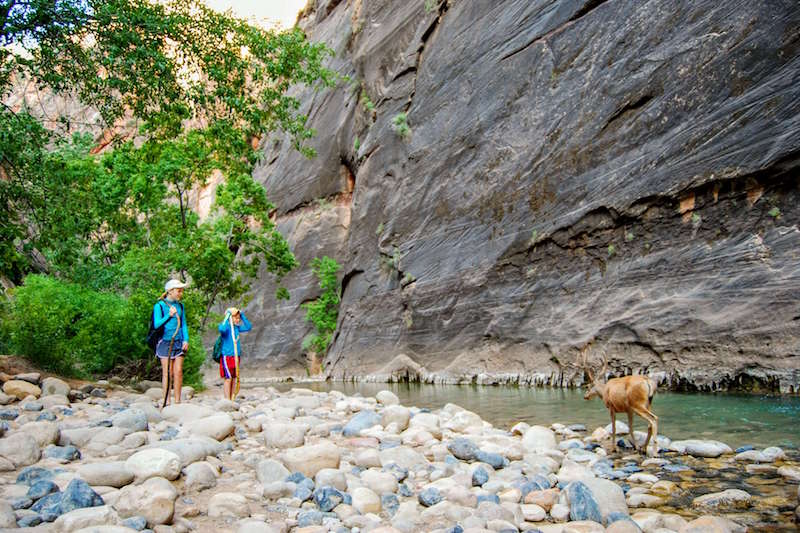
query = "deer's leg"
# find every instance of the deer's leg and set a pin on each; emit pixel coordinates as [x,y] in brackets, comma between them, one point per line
[613,429]
[652,429]
[630,429]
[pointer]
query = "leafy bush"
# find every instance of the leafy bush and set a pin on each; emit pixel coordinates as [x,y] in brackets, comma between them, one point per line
[323,311]
[74,331]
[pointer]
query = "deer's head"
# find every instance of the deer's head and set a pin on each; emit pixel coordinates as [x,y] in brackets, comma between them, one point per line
[595,387]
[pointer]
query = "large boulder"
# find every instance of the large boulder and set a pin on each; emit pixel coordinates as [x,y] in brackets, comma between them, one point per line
[21,389]
[154,462]
[538,439]
[700,448]
[54,386]
[192,449]
[21,449]
[228,504]
[132,419]
[217,427]
[154,500]
[312,458]
[285,435]
[186,412]
[86,517]
[45,433]
[111,474]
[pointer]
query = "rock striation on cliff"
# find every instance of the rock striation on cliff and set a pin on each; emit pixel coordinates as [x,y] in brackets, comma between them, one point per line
[505,182]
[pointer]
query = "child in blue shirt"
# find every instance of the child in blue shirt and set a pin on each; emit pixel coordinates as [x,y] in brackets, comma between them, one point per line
[228,363]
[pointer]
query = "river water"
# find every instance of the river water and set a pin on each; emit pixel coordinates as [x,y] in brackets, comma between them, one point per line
[734,419]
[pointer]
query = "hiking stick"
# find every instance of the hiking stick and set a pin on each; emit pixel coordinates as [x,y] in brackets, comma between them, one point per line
[169,358]
[235,358]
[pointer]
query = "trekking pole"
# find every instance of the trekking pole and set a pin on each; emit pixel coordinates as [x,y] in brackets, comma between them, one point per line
[169,358]
[235,357]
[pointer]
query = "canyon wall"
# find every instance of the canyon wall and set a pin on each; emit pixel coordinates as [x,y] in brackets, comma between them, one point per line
[506,183]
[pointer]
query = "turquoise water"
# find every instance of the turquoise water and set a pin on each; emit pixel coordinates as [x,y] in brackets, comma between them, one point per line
[731,418]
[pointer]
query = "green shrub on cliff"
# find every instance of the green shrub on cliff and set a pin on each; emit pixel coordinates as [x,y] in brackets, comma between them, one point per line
[323,311]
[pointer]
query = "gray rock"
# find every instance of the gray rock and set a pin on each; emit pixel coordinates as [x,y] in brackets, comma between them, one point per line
[200,476]
[463,448]
[430,496]
[154,462]
[279,435]
[132,419]
[269,471]
[228,504]
[21,449]
[154,500]
[700,448]
[54,386]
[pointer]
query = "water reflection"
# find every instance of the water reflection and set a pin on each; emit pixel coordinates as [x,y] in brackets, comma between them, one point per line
[734,419]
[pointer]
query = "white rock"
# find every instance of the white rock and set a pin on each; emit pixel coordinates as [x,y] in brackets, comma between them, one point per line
[44,432]
[190,450]
[331,477]
[271,471]
[7,516]
[259,526]
[78,437]
[86,517]
[396,414]
[107,529]
[225,405]
[532,512]
[312,458]
[644,500]
[572,471]
[280,435]
[768,455]
[368,458]
[153,415]
[228,504]
[53,386]
[792,473]
[111,474]
[380,482]
[154,499]
[386,397]
[132,419]
[538,438]
[700,448]
[403,456]
[216,427]
[21,449]
[154,462]
[642,477]
[560,513]
[53,400]
[366,501]
[462,421]
[726,498]
[186,412]
[200,476]
[427,421]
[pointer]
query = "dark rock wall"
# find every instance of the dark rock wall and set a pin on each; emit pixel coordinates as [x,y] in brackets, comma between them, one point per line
[617,173]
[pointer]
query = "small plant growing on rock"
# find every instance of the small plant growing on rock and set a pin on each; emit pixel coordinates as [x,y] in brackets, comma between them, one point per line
[430,5]
[629,236]
[534,237]
[408,278]
[774,212]
[611,250]
[400,125]
[366,102]
[696,219]
[379,229]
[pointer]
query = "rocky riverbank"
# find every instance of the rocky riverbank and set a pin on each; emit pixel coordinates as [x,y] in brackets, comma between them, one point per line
[107,459]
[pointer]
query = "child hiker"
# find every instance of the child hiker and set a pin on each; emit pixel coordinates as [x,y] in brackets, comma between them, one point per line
[234,323]
[171,348]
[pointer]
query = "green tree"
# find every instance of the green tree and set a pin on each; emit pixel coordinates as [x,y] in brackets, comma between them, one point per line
[324,310]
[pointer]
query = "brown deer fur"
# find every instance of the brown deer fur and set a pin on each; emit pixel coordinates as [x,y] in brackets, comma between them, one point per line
[629,394]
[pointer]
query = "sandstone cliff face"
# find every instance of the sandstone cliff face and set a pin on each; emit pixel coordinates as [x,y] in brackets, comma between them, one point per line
[620,173]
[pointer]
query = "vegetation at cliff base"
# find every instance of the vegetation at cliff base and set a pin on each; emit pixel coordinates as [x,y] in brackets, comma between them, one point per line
[90,230]
[324,310]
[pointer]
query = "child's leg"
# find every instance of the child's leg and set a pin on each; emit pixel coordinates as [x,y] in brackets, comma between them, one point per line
[177,378]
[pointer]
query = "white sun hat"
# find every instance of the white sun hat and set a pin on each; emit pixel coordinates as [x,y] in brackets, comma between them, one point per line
[174,284]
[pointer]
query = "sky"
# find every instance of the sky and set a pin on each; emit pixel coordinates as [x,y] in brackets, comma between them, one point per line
[264,12]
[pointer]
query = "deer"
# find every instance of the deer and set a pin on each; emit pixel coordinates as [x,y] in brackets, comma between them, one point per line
[628,394]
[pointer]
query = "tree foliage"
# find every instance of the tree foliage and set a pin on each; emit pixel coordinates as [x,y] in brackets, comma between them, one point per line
[323,311]
[198,88]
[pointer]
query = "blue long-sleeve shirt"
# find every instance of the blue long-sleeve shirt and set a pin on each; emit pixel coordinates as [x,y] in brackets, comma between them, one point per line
[225,330]
[161,316]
